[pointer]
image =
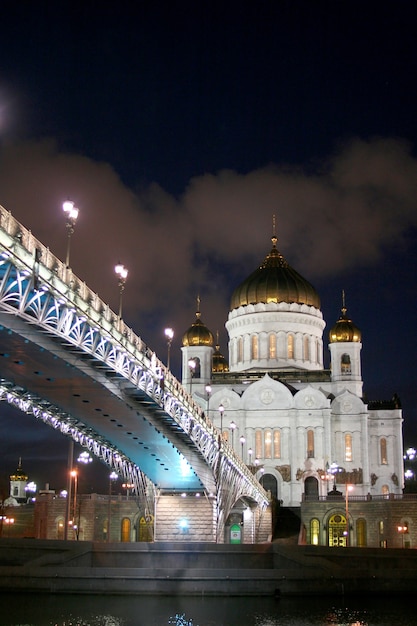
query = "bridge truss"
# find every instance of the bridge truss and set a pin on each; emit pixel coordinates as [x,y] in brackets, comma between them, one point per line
[37,291]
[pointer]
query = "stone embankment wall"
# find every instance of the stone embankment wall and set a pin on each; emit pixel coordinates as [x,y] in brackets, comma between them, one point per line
[202,568]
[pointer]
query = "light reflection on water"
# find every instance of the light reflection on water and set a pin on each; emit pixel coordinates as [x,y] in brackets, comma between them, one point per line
[80,610]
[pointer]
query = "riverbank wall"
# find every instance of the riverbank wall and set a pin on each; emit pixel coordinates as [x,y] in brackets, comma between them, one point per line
[45,566]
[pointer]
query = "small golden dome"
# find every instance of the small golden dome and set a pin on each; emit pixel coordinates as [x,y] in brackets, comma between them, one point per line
[20,474]
[198,334]
[219,362]
[274,281]
[344,329]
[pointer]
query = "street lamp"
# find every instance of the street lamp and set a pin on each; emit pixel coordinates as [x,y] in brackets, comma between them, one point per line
[121,272]
[232,428]
[74,474]
[169,334]
[128,487]
[72,213]
[242,443]
[221,411]
[208,394]
[250,452]
[402,530]
[112,477]
[348,488]
[191,366]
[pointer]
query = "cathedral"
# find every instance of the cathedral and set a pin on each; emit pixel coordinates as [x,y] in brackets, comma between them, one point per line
[305,431]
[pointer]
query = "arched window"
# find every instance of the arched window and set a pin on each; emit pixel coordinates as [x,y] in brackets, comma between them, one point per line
[310,444]
[306,349]
[348,447]
[361,533]
[277,444]
[345,367]
[290,346]
[267,444]
[254,347]
[105,529]
[258,445]
[314,532]
[60,526]
[383,451]
[272,346]
[125,534]
[239,350]
[385,491]
[197,370]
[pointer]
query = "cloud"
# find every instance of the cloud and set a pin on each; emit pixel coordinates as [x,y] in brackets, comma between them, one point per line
[357,203]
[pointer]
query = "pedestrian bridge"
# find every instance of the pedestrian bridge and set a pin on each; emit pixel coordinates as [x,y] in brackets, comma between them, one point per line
[69,360]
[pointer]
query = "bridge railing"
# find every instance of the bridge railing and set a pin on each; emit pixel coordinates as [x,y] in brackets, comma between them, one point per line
[79,294]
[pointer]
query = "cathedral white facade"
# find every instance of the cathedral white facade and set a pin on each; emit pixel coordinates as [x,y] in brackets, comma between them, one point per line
[304,430]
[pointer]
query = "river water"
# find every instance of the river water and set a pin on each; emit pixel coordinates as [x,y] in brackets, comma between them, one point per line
[85,610]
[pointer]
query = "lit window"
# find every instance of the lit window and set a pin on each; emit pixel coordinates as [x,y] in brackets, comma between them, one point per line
[268,442]
[383,451]
[314,532]
[125,529]
[290,347]
[310,444]
[277,444]
[348,447]
[258,444]
[272,347]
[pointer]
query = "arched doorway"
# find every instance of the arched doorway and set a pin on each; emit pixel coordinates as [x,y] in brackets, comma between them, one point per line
[270,483]
[337,531]
[311,488]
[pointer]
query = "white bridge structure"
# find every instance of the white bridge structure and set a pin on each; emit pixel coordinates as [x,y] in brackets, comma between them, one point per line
[69,360]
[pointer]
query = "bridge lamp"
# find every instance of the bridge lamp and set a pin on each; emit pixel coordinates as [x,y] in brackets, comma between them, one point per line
[221,411]
[250,452]
[191,366]
[74,475]
[169,334]
[71,212]
[232,428]
[121,273]
[84,458]
[242,443]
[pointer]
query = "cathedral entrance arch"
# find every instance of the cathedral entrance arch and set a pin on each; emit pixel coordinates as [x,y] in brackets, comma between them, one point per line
[270,483]
[311,488]
[337,533]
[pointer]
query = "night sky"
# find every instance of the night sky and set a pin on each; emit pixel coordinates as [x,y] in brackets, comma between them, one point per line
[180,129]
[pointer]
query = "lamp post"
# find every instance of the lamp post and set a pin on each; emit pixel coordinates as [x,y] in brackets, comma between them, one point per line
[232,428]
[221,411]
[348,488]
[242,443]
[113,476]
[191,366]
[169,334]
[250,452]
[74,474]
[72,213]
[208,394]
[122,273]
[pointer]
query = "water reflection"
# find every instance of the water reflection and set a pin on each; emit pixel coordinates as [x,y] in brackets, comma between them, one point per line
[53,610]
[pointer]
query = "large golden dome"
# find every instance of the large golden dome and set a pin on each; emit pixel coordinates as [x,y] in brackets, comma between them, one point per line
[344,329]
[274,281]
[198,334]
